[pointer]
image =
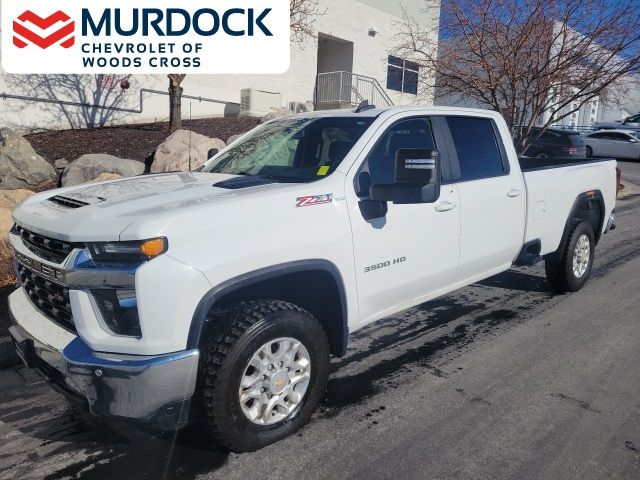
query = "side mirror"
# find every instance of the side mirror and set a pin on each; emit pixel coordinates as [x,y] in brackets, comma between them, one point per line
[417,178]
[212,153]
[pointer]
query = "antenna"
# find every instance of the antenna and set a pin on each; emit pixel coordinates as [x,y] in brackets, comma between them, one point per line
[364,106]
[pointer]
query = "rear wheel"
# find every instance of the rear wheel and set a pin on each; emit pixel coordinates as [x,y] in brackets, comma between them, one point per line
[569,268]
[264,372]
[589,152]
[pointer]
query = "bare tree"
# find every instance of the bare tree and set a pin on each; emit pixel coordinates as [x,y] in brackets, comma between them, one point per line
[175,101]
[82,101]
[536,61]
[302,16]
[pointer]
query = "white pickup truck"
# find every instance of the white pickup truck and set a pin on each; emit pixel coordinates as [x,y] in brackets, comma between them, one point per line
[220,294]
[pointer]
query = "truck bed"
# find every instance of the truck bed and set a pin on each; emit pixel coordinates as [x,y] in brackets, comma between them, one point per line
[553,185]
[530,164]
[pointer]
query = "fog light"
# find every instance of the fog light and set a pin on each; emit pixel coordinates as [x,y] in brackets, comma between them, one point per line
[119,311]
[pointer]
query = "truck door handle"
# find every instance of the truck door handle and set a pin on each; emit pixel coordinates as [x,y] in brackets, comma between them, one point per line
[446,206]
[514,192]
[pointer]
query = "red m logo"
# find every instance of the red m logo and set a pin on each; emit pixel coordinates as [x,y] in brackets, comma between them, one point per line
[44,37]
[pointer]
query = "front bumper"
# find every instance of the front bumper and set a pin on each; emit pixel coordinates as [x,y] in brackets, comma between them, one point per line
[155,389]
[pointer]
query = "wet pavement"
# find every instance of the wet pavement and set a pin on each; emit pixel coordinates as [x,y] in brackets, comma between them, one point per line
[498,380]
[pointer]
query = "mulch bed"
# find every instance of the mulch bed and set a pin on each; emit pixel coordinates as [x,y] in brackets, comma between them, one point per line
[129,141]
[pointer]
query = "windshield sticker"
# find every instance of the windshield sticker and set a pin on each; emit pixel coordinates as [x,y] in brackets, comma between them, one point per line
[323,170]
[311,200]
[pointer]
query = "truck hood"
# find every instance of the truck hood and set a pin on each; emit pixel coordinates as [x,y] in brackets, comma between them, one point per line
[101,212]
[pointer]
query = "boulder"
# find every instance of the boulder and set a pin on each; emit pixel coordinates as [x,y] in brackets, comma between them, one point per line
[91,166]
[20,165]
[173,154]
[233,138]
[105,177]
[9,199]
[278,113]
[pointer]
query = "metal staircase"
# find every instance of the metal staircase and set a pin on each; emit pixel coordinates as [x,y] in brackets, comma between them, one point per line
[347,89]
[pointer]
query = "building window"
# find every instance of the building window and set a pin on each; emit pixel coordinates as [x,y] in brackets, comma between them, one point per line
[402,75]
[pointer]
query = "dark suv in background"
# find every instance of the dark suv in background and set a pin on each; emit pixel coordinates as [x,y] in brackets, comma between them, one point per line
[555,142]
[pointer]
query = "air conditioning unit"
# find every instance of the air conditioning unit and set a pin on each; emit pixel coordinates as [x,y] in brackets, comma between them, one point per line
[257,103]
[299,107]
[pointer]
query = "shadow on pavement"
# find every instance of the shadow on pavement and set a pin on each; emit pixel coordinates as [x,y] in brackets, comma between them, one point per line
[72,447]
[513,280]
[402,334]
[138,455]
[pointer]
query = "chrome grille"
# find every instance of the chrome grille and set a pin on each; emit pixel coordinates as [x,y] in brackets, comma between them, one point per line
[48,248]
[51,298]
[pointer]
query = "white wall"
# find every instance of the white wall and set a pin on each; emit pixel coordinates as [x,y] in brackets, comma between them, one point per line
[349,20]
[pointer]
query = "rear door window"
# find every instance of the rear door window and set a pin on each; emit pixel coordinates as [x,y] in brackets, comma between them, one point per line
[622,137]
[476,145]
[548,136]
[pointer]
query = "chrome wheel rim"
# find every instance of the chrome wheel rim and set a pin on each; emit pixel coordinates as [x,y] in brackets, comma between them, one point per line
[274,381]
[581,256]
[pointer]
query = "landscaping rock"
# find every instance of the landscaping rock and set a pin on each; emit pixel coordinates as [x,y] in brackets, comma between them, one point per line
[9,199]
[173,154]
[20,165]
[105,177]
[232,139]
[89,167]
[278,113]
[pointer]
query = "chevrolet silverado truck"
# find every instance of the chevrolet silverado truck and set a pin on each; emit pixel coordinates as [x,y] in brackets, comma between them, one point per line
[219,295]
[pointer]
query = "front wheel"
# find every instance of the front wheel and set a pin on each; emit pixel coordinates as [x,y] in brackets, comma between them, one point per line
[264,372]
[569,268]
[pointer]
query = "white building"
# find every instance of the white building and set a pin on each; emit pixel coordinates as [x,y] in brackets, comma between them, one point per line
[355,37]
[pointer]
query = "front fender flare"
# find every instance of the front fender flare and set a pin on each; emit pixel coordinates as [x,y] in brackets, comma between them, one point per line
[218,292]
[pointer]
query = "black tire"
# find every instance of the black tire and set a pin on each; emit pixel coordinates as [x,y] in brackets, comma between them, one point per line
[559,265]
[237,333]
[589,152]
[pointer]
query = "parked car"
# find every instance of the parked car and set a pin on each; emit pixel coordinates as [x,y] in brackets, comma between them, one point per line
[556,143]
[629,123]
[613,143]
[220,294]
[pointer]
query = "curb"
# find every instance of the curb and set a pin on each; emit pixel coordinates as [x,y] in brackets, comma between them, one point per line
[8,355]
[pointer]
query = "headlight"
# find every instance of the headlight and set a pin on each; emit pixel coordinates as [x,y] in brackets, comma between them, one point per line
[127,252]
[119,310]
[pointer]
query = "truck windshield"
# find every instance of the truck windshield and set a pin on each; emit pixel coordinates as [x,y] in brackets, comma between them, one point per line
[297,149]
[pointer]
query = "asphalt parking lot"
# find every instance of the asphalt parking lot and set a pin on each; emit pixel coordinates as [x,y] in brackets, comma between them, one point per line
[498,380]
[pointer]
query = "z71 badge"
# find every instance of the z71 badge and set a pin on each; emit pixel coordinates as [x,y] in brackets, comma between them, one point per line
[311,200]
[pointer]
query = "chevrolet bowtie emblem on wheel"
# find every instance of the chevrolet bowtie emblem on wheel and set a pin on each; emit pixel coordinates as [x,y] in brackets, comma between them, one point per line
[30,28]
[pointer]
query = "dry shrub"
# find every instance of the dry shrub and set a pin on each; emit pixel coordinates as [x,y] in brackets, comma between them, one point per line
[7,274]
